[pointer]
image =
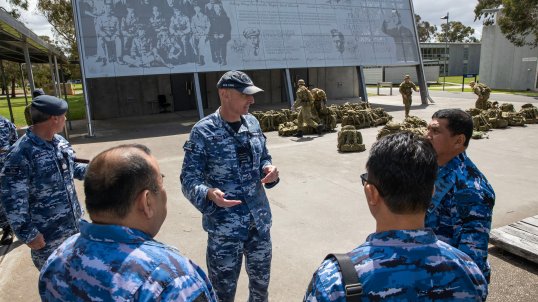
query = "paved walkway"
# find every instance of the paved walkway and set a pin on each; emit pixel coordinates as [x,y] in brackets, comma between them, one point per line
[319,206]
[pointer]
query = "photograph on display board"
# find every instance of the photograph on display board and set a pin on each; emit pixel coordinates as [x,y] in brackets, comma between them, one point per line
[141,37]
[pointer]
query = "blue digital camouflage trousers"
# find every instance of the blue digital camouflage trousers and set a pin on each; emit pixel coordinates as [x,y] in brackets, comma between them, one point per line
[224,258]
[3,219]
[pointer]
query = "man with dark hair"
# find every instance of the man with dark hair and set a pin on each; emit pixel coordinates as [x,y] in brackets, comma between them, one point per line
[462,206]
[115,257]
[225,167]
[402,260]
[37,188]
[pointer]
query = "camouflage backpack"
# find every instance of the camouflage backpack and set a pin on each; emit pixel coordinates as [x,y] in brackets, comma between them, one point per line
[483,88]
[530,113]
[27,115]
[350,140]
[287,129]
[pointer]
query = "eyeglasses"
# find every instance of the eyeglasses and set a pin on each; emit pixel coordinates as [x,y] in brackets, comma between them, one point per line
[364,179]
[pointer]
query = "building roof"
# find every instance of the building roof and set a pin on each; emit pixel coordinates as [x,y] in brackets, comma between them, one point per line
[12,36]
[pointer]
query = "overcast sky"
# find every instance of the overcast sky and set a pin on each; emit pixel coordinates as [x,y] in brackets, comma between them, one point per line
[431,11]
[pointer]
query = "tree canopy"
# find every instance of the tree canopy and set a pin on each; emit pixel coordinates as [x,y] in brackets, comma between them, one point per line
[457,32]
[60,15]
[518,20]
[426,31]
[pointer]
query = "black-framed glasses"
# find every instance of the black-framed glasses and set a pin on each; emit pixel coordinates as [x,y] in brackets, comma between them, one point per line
[364,178]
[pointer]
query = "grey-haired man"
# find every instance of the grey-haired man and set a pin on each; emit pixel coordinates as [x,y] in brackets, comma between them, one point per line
[225,167]
[37,187]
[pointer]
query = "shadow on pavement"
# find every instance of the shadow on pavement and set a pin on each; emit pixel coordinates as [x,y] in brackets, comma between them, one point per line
[515,260]
[5,249]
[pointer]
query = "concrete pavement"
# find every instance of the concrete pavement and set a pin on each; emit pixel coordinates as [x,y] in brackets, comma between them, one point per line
[319,206]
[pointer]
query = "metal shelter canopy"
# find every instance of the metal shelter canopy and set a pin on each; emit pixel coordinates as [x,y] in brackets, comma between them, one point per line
[13,35]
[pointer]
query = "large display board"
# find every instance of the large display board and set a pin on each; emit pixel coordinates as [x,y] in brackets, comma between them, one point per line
[141,37]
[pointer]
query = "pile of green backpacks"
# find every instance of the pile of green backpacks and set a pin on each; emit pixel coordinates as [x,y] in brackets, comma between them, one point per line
[412,124]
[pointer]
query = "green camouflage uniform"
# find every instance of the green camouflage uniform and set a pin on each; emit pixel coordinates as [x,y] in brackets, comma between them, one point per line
[482,91]
[305,100]
[406,89]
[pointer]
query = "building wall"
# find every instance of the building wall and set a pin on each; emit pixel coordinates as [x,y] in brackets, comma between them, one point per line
[458,57]
[505,66]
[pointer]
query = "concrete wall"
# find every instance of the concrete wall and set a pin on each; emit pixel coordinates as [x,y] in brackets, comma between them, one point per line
[457,59]
[502,64]
[127,96]
[271,81]
[397,74]
[373,75]
[338,82]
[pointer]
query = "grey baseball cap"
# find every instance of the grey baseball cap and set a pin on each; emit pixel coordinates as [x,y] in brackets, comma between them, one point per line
[239,81]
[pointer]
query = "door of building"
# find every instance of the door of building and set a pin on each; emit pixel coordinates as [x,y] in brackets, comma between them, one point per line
[183,91]
[296,75]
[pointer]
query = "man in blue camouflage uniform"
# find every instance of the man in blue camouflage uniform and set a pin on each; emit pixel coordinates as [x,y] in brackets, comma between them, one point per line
[402,260]
[462,206]
[226,163]
[115,258]
[8,136]
[37,188]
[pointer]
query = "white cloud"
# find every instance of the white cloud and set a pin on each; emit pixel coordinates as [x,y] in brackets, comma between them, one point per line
[33,19]
[459,10]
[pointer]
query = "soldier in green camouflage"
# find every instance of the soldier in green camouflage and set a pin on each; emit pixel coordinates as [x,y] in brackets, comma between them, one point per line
[305,100]
[406,90]
[482,91]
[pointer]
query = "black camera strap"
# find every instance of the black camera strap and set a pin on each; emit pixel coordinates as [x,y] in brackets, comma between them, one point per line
[350,279]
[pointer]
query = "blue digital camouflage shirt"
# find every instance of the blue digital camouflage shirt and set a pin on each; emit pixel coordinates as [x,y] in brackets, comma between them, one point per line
[404,265]
[8,136]
[212,160]
[461,209]
[117,263]
[38,192]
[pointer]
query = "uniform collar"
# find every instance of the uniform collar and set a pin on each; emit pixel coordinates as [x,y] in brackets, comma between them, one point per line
[112,233]
[222,123]
[38,140]
[388,238]
[453,164]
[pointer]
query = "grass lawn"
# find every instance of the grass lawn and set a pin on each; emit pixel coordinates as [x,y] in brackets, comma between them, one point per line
[77,108]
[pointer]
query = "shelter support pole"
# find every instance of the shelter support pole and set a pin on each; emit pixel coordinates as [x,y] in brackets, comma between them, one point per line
[4,81]
[23,85]
[28,67]
[51,67]
[57,77]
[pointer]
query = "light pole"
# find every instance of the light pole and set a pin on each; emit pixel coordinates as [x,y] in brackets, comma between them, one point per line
[446,50]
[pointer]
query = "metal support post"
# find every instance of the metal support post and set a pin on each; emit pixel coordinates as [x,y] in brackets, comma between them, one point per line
[198,96]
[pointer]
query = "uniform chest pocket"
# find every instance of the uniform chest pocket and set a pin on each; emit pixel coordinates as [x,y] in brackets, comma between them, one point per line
[257,142]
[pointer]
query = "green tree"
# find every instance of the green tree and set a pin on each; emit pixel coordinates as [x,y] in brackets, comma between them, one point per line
[426,31]
[59,14]
[517,19]
[15,4]
[13,77]
[457,32]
